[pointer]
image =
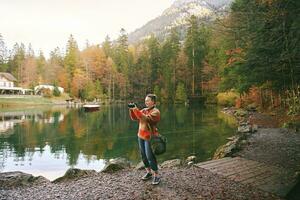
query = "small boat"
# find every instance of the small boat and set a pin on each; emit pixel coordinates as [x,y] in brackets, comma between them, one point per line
[91,107]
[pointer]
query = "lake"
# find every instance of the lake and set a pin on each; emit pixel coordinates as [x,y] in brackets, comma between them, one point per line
[49,140]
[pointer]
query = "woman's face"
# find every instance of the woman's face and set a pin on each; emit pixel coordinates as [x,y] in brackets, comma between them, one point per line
[148,102]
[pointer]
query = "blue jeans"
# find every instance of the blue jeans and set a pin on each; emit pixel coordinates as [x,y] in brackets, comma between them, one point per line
[148,156]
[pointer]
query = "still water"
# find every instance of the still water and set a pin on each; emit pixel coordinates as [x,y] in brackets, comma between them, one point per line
[48,140]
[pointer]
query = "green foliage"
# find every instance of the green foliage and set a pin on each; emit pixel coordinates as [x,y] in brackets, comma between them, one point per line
[227,98]
[98,90]
[16,60]
[256,44]
[154,58]
[196,48]
[121,53]
[56,91]
[71,59]
[169,53]
[293,101]
[41,64]
[181,96]
[157,91]
[266,38]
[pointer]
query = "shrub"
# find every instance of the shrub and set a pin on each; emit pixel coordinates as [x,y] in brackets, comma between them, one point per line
[46,93]
[56,92]
[293,101]
[180,96]
[227,98]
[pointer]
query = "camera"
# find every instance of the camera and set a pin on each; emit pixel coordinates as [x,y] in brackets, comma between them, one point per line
[131,105]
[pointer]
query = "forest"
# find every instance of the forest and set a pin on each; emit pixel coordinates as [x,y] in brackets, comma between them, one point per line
[249,56]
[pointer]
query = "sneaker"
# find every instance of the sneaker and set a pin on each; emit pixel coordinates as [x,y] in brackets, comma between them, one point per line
[156,180]
[147,176]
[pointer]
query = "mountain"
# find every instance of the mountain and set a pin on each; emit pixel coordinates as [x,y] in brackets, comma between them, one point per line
[177,16]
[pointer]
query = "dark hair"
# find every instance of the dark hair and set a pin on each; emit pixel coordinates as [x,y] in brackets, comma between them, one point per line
[152,97]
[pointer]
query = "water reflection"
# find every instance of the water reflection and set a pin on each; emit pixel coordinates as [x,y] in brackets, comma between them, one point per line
[9,119]
[47,141]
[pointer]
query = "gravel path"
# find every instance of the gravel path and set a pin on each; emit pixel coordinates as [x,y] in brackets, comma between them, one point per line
[180,183]
[274,146]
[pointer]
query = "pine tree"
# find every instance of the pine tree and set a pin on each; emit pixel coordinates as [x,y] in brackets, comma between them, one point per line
[71,60]
[195,48]
[41,65]
[154,58]
[107,47]
[170,50]
[181,95]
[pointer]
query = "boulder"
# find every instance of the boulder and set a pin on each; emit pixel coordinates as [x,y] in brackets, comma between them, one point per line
[171,163]
[227,149]
[116,164]
[17,179]
[74,173]
[252,107]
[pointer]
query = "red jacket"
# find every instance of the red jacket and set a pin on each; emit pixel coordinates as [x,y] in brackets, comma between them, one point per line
[148,118]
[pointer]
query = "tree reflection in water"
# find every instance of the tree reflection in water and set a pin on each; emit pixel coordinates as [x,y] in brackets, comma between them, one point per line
[80,138]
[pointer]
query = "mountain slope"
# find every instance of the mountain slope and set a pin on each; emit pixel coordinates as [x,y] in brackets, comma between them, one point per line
[177,16]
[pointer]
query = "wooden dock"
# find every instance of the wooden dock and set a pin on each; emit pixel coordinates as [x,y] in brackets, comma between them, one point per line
[265,177]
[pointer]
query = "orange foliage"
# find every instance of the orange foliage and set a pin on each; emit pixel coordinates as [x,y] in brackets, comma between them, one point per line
[211,85]
[260,97]
[28,72]
[62,78]
[235,55]
[210,78]
[79,82]
[238,103]
[253,96]
[94,61]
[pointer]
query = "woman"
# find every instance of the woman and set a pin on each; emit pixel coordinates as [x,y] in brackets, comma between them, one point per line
[148,118]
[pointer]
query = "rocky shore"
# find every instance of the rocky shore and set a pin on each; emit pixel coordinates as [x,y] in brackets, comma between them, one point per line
[257,139]
[179,182]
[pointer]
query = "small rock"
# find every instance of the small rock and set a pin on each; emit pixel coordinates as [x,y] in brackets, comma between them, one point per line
[244,142]
[190,163]
[171,163]
[244,129]
[231,138]
[191,158]
[254,128]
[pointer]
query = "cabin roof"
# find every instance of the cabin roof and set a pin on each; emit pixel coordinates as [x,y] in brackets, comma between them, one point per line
[8,76]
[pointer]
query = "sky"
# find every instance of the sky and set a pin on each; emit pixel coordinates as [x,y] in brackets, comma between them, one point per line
[47,24]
